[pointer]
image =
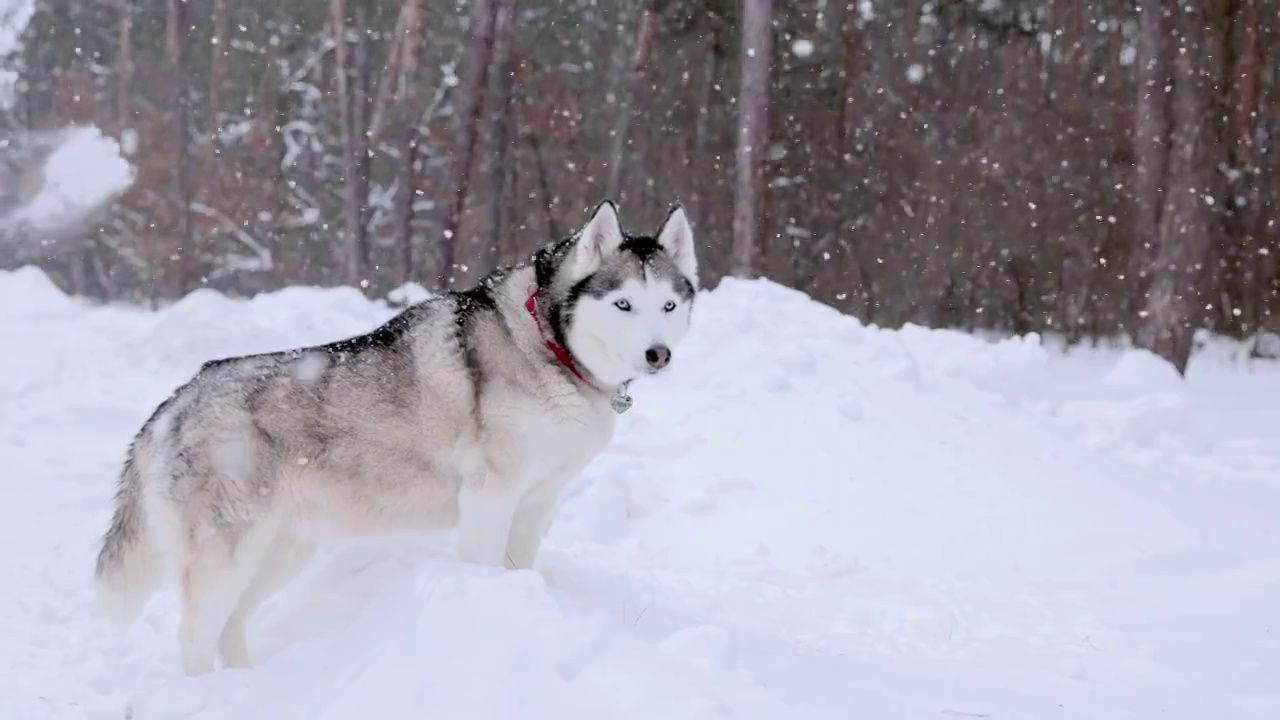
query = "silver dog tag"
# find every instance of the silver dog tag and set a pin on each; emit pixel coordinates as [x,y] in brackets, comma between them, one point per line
[621,401]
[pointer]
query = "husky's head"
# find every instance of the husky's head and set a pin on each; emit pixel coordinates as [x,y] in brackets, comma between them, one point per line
[620,303]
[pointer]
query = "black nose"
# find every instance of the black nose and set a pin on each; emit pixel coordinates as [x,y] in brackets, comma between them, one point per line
[658,356]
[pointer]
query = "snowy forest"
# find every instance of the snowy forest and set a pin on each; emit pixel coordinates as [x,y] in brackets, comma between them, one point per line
[1088,169]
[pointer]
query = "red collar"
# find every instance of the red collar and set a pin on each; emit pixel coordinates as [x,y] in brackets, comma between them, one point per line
[561,353]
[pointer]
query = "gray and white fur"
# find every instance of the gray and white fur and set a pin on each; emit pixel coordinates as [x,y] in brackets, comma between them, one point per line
[455,413]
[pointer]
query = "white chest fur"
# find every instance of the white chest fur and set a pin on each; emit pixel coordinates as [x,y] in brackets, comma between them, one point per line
[533,446]
[562,433]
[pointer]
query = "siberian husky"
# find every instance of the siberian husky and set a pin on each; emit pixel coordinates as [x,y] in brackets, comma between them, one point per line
[470,410]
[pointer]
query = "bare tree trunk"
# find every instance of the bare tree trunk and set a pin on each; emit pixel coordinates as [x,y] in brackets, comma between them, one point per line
[504,30]
[699,165]
[850,117]
[850,112]
[1174,304]
[124,63]
[362,74]
[278,108]
[217,66]
[175,46]
[354,155]
[342,77]
[407,99]
[1151,146]
[391,70]
[508,241]
[1244,77]
[544,185]
[408,191]
[640,60]
[710,78]
[753,134]
[1238,272]
[470,103]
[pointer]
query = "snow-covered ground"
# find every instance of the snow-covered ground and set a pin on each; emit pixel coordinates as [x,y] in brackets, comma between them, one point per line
[807,518]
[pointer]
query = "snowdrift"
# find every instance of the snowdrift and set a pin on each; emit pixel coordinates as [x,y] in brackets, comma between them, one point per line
[807,518]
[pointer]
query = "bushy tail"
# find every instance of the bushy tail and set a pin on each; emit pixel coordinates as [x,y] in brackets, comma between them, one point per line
[130,565]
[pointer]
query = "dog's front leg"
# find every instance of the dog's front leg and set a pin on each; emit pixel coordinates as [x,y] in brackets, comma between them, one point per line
[485,510]
[530,524]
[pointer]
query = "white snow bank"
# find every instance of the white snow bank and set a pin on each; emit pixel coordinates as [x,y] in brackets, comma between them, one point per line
[806,518]
[84,172]
[1142,370]
[409,293]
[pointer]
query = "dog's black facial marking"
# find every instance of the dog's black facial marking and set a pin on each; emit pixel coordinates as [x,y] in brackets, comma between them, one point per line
[560,314]
[635,255]
[651,254]
[594,285]
[641,246]
[684,288]
[547,263]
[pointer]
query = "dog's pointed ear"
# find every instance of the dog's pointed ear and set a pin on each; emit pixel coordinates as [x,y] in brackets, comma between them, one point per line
[601,237]
[676,237]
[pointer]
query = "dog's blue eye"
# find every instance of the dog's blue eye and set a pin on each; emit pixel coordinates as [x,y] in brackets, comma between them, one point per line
[622,305]
[671,305]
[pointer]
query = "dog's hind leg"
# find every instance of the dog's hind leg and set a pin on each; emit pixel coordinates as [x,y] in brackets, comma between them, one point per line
[283,561]
[213,582]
